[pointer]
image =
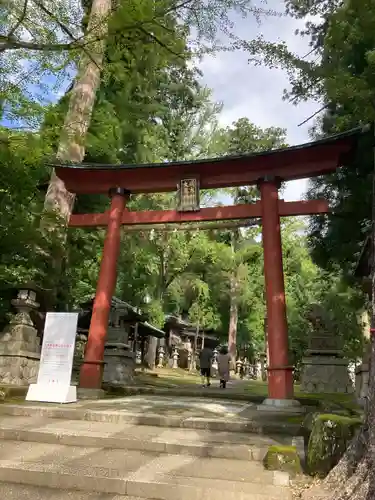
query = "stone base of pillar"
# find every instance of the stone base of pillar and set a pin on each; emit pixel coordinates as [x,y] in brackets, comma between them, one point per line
[119,365]
[325,374]
[83,393]
[288,406]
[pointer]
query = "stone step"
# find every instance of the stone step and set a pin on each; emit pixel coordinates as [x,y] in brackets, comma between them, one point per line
[263,424]
[201,443]
[13,491]
[138,474]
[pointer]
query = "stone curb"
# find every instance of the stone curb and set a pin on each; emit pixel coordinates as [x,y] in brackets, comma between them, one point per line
[157,490]
[225,425]
[203,449]
[200,393]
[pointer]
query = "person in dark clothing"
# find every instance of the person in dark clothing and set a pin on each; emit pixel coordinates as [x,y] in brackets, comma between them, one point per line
[205,359]
[223,362]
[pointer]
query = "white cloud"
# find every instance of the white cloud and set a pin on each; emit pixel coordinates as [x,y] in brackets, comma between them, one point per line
[256,92]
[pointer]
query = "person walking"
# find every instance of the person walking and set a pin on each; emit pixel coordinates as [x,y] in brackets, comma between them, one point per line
[223,361]
[205,359]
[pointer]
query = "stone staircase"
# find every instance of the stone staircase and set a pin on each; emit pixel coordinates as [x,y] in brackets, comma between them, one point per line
[80,458]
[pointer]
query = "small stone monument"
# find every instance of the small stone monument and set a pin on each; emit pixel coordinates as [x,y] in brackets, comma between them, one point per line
[19,344]
[324,370]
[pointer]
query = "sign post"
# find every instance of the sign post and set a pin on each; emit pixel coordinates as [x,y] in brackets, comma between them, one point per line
[56,361]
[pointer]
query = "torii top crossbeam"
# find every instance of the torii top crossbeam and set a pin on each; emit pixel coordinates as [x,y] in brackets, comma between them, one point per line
[296,162]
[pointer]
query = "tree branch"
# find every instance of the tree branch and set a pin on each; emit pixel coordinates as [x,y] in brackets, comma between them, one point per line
[178,6]
[11,43]
[159,42]
[180,271]
[314,114]
[20,20]
[65,29]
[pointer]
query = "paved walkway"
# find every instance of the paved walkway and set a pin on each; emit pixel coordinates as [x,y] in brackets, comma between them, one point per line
[171,406]
[152,447]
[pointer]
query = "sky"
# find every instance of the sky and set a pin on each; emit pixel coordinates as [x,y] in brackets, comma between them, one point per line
[256,92]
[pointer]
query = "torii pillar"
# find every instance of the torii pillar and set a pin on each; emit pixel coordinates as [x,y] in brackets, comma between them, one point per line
[93,364]
[280,373]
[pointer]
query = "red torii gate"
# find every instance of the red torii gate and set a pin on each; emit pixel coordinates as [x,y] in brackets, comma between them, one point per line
[266,170]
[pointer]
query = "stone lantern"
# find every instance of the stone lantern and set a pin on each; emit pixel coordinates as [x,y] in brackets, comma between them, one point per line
[19,343]
[324,369]
[175,358]
[161,357]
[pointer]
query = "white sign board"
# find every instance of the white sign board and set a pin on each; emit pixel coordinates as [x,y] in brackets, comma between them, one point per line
[56,360]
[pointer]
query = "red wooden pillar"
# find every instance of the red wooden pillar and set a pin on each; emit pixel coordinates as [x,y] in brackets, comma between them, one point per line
[280,374]
[92,368]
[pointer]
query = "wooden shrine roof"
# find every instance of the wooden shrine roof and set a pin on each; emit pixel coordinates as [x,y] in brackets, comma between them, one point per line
[145,329]
[295,162]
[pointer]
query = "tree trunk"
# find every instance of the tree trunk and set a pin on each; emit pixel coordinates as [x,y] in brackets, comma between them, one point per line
[71,147]
[233,319]
[233,311]
[193,360]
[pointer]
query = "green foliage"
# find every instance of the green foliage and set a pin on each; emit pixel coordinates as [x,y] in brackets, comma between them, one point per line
[150,108]
[338,71]
[42,43]
[24,247]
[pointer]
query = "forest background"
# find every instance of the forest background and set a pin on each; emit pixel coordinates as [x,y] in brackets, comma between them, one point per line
[134,94]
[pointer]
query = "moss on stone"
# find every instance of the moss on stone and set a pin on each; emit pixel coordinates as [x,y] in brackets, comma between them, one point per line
[329,438]
[295,419]
[283,458]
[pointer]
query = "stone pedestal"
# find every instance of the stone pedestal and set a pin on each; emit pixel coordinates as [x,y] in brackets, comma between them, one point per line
[325,374]
[119,364]
[324,370]
[19,344]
